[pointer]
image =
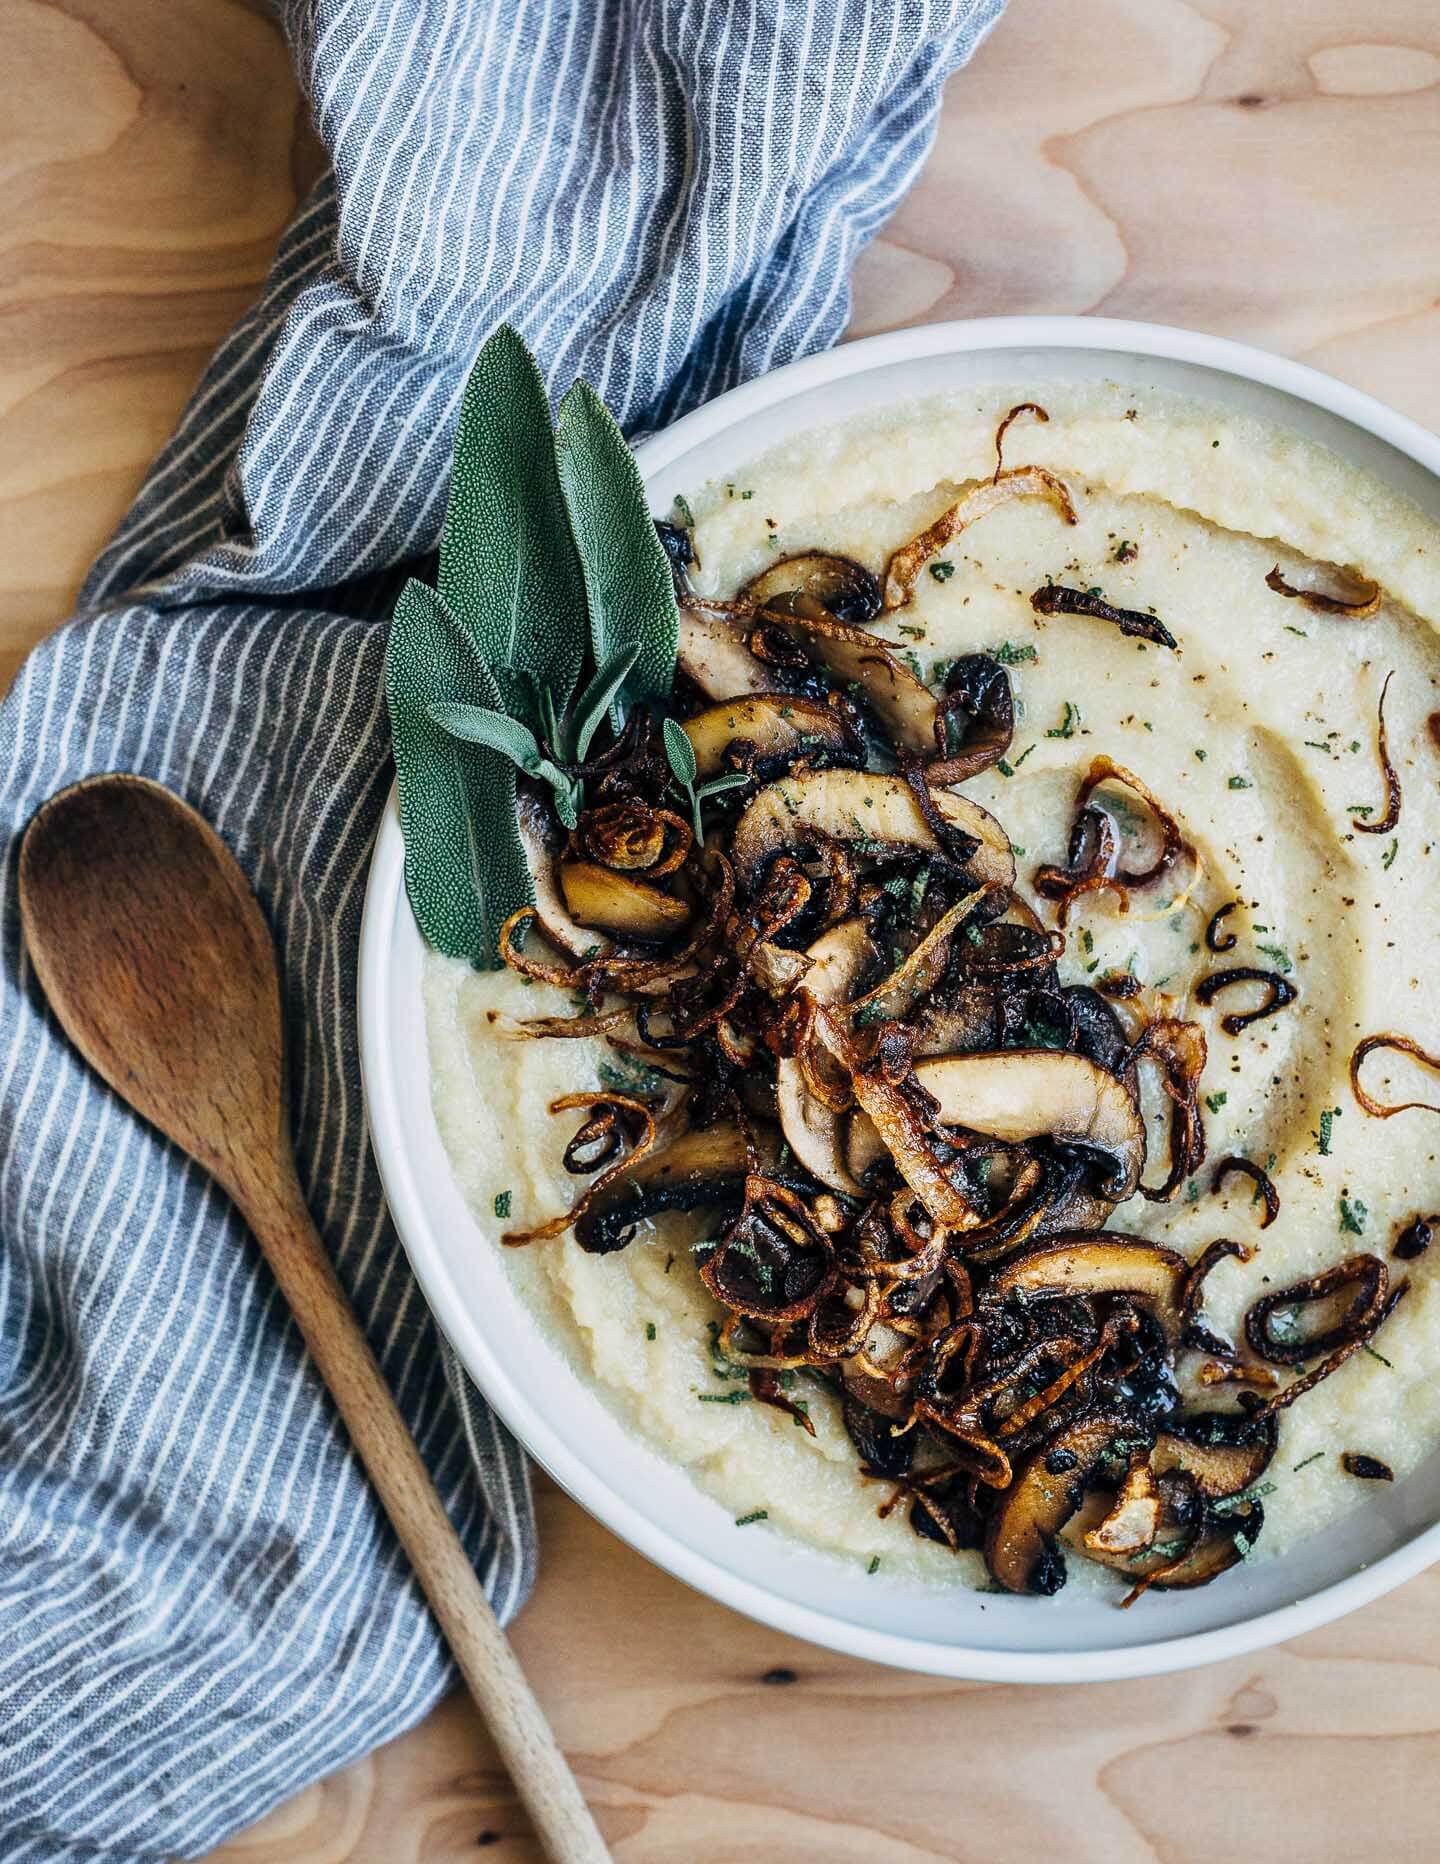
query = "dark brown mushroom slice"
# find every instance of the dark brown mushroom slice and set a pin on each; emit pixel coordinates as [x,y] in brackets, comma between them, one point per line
[967,1021]
[764,733]
[678,543]
[838,959]
[715,653]
[1223,1452]
[542,842]
[619,903]
[1055,599]
[977,718]
[883,1451]
[1095,1264]
[1098,1031]
[854,657]
[842,587]
[705,1166]
[1046,1491]
[864,809]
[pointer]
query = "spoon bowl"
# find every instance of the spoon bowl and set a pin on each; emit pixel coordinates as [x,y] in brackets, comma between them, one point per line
[158,964]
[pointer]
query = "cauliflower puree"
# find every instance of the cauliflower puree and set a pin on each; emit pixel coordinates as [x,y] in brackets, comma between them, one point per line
[1260,735]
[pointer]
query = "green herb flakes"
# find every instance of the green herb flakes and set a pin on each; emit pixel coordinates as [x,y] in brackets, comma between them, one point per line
[943,570]
[755,1514]
[1240,783]
[722,1397]
[502,1203]
[1067,725]
[1013,653]
[649,1329]
[1216,1101]
[1280,957]
[874,1567]
[1306,1461]
[1387,860]
[1353,1216]
[1328,1117]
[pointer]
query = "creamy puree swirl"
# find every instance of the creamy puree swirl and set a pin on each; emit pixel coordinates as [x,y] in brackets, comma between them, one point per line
[1260,736]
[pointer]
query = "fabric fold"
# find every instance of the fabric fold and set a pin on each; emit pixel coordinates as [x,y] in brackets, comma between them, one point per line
[200,1607]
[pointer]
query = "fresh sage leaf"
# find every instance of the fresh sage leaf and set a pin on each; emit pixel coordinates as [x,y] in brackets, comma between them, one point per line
[484,725]
[465,868]
[508,564]
[679,753]
[717,786]
[595,701]
[628,584]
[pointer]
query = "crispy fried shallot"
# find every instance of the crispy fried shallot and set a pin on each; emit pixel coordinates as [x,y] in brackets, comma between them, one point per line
[1406,1045]
[1281,993]
[1354,608]
[1264,1189]
[1021,407]
[907,562]
[1383,824]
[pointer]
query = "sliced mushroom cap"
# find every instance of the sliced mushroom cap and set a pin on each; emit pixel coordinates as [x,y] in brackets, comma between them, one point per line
[970,1020]
[838,960]
[715,652]
[619,903]
[1019,1094]
[704,1166]
[859,805]
[1103,1263]
[903,703]
[768,731]
[542,843]
[1047,1490]
[844,588]
[1224,1453]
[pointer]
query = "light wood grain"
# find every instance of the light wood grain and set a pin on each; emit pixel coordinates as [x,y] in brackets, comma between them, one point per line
[1262,168]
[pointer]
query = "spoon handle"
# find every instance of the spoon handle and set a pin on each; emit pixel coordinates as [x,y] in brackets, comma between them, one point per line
[287,1236]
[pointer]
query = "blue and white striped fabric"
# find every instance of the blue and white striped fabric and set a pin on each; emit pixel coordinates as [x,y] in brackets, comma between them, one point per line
[200,1609]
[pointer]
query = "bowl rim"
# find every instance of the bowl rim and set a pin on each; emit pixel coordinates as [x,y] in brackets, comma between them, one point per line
[385,898]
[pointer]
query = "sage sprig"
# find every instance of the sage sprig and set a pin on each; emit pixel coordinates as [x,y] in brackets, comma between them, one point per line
[551,579]
[680,755]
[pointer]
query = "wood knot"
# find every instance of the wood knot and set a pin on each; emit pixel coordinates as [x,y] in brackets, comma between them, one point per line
[779,1676]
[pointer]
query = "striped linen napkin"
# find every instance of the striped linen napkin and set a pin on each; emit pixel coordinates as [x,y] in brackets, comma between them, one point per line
[200,1607]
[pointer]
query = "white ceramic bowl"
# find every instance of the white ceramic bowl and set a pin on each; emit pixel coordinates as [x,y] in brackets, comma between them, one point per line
[565,1426]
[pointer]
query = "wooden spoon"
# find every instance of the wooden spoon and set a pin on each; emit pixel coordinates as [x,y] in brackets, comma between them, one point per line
[156,960]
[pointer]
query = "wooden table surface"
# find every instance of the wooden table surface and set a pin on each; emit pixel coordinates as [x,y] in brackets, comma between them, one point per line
[1262,168]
